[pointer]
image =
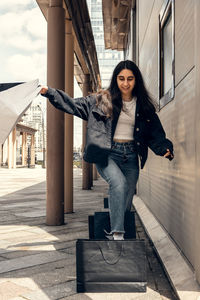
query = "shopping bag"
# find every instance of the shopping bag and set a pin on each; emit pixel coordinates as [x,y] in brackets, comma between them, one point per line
[91,226]
[99,224]
[111,266]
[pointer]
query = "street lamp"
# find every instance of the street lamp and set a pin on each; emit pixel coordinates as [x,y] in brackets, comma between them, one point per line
[43,139]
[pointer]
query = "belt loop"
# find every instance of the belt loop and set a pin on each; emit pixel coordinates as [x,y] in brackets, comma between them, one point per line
[124,149]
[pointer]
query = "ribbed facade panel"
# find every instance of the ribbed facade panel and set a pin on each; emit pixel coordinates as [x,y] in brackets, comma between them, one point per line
[184,37]
[169,188]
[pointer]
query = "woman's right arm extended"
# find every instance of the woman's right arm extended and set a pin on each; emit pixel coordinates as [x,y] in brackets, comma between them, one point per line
[78,107]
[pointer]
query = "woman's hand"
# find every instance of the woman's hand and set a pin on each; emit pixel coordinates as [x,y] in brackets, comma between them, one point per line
[169,155]
[44,89]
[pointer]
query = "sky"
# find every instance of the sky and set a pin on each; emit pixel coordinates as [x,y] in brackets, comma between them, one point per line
[23,47]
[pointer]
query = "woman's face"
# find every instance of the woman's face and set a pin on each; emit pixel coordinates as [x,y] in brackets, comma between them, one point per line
[126,83]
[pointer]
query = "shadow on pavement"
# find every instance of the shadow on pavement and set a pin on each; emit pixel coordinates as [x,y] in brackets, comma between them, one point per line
[38,261]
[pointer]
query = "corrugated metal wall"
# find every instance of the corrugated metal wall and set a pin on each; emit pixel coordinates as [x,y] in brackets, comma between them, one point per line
[197,116]
[172,189]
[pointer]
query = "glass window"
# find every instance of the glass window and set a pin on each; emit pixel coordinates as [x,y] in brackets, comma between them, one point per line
[166,54]
[108,55]
[96,8]
[95,22]
[97,15]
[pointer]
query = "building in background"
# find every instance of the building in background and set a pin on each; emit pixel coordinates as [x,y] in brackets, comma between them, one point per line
[109,58]
[35,118]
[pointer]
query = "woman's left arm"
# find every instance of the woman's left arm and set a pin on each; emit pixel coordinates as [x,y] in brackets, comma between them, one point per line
[156,138]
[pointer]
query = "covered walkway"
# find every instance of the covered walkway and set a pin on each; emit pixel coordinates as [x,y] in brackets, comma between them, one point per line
[37,262]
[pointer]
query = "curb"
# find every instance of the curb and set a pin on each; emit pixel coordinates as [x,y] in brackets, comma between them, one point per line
[180,274]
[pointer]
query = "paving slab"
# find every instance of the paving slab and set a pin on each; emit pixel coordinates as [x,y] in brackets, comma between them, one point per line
[8,290]
[32,214]
[37,262]
[33,272]
[53,292]
[30,260]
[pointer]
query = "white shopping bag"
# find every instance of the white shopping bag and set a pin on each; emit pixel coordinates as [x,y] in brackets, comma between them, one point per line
[13,104]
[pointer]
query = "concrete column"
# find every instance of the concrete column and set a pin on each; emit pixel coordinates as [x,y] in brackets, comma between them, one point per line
[9,149]
[14,152]
[23,148]
[5,152]
[12,149]
[86,167]
[55,118]
[69,88]
[32,150]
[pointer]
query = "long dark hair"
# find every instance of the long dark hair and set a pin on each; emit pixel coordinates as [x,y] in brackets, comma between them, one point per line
[110,100]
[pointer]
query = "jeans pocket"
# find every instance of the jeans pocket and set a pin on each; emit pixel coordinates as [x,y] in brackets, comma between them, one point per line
[132,149]
[113,147]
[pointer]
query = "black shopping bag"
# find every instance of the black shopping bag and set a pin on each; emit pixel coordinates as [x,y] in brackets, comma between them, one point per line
[100,223]
[111,266]
[91,226]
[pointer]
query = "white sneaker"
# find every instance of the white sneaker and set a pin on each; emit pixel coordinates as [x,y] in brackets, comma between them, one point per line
[118,236]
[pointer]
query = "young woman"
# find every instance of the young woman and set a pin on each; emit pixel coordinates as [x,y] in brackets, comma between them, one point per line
[122,124]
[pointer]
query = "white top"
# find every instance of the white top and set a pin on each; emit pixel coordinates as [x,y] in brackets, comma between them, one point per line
[126,121]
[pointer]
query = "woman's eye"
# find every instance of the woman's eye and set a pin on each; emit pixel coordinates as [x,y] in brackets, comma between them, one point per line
[129,79]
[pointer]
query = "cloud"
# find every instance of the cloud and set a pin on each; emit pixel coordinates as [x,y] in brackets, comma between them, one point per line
[15,4]
[25,68]
[38,28]
[25,30]
[23,43]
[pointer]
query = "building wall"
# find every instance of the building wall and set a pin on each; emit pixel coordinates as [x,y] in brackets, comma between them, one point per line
[170,189]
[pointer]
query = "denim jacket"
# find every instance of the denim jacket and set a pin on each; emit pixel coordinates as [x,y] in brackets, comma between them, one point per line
[148,132]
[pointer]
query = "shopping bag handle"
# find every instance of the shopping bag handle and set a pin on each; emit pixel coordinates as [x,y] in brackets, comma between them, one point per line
[117,259]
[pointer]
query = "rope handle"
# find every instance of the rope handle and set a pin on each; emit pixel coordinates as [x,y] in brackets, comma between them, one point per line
[117,259]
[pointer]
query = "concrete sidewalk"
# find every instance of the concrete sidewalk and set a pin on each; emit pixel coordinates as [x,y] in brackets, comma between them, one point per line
[37,262]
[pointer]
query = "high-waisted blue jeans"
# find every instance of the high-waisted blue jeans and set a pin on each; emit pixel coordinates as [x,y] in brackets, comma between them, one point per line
[121,173]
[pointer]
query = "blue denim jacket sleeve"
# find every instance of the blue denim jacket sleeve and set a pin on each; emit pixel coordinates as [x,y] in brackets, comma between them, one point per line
[157,140]
[78,107]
